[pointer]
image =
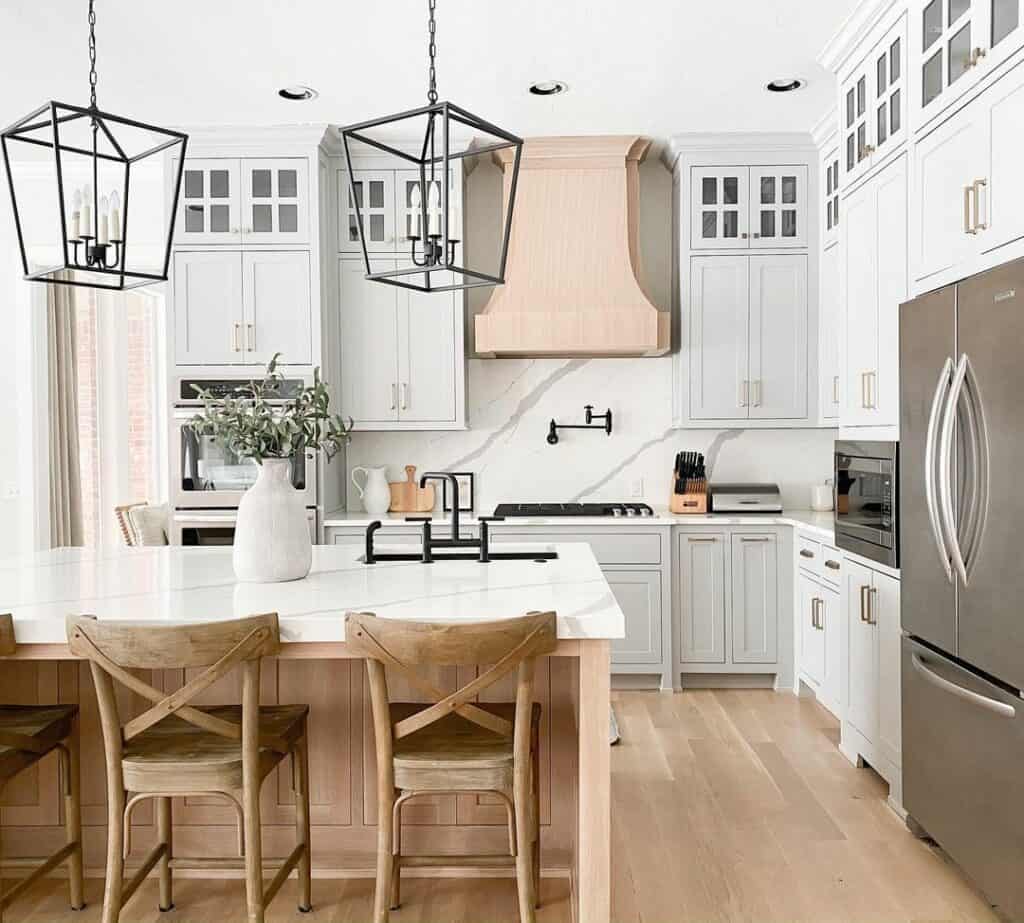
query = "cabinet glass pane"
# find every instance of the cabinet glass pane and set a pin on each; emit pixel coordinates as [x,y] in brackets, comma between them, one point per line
[1005,18]
[862,142]
[850,116]
[353,229]
[881,70]
[261,184]
[957,8]
[849,153]
[262,219]
[960,54]
[731,190]
[287,184]
[931,24]
[376,227]
[288,218]
[789,190]
[359,194]
[767,223]
[894,112]
[376,194]
[828,215]
[862,95]
[709,225]
[767,190]
[709,191]
[220,218]
[193,184]
[194,219]
[789,222]
[828,181]
[730,224]
[220,186]
[894,62]
[835,210]
[931,78]
[882,124]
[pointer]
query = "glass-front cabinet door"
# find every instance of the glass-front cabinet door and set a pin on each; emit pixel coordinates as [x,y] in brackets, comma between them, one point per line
[275,201]
[375,190]
[830,192]
[778,207]
[720,210]
[956,43]
[209,205]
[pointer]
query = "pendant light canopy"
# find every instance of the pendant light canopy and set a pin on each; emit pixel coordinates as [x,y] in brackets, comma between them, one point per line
[432,223]
[72,186]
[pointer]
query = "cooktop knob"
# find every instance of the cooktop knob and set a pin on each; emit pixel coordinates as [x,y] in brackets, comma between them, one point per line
[631,511]
[616,510]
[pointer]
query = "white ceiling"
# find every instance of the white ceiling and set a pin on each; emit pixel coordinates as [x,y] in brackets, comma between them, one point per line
[655,67]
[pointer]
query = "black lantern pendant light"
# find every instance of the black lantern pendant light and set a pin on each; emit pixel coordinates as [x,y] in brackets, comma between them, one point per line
[436,252]
[80,235]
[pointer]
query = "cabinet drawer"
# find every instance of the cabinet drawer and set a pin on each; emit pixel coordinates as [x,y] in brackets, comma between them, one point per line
[610,546]
[831,565]
[808,555]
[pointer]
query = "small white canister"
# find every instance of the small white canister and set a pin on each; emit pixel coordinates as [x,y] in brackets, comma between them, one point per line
[821,497]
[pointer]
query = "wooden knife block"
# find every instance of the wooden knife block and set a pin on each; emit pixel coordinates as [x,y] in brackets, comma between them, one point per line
[693,501]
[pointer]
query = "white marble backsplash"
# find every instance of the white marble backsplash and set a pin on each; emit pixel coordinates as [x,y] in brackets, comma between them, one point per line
[511,402]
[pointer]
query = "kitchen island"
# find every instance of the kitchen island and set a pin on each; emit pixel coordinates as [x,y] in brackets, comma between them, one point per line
[180,585]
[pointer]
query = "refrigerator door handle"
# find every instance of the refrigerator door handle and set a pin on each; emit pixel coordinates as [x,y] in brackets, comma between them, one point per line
[945,470]
[977,453]
[941,390]
[968,695]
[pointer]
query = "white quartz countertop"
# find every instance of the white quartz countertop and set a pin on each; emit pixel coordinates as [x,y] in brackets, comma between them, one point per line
[179,585]
[820,524]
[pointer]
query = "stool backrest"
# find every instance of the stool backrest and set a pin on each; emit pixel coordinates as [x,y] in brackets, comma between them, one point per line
[7,644]
[113,649]
[508,644]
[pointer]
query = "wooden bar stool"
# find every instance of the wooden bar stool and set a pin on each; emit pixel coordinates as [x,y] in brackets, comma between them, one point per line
[27,734]
[456,745]
[175,749]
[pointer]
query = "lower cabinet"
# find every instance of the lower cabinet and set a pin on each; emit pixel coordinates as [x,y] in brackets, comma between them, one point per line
[819,627]
[728,601]
[638,593]
[872,730]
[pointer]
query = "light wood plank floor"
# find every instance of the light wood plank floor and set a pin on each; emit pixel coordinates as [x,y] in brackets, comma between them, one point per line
[726,806]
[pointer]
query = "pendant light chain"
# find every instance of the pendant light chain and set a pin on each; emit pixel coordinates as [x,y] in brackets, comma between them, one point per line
[431,52]
[92,55]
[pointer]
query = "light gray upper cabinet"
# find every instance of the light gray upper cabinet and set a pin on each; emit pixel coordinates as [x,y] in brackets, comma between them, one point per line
[208,313]
[830,334]
[755,598]
[403,361]
[700,582]
[748,337]
[276,303]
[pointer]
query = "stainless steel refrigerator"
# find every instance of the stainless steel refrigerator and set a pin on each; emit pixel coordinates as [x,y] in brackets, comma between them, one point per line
[961,503]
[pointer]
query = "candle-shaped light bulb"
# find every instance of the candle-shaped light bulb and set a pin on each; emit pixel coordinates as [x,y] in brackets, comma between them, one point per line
[434,209]
[454,222]
[86,224]
[115,216]
[76,214]
[416,205]
[101,221]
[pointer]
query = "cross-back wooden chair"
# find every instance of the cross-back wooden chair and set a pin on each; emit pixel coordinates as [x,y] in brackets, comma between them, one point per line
[175,748]
[27,734]
[457,744]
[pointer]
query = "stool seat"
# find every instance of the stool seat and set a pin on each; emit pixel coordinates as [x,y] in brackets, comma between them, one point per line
[174,755]
[47,725]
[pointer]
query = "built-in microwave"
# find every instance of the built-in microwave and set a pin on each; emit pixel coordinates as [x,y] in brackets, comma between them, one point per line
[206,528]
[865,499]
[206,474]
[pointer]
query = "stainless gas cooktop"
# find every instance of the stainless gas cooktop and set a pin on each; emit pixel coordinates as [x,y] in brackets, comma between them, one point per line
[507,510]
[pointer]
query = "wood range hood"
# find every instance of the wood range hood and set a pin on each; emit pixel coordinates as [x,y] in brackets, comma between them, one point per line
[571,284]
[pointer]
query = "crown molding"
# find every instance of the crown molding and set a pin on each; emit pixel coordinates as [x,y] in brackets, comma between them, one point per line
[864,18]
[761,141]
[222,138]
[826,128]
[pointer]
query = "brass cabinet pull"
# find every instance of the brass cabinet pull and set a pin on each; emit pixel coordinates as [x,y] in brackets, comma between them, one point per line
[757,538]
[978,224]
[405,395]
[814,612]
[864,591]
[251,338]
[835,389]
[235,331]
[821,615]
[745,393]
[873,606]
[967,210]
[757,392]
[394,395]
[804,553]
[706,538]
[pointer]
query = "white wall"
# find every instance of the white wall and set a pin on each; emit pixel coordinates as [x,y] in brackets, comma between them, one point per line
[511,402]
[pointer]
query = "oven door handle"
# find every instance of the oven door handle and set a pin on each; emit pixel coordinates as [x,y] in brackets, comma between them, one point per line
[945,468]
[930,490]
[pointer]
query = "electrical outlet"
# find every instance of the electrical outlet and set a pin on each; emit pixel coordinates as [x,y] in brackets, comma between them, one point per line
[11,491]
[636,487]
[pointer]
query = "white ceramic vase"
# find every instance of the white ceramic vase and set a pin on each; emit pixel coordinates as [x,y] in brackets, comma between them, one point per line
[272,541]
[374,491]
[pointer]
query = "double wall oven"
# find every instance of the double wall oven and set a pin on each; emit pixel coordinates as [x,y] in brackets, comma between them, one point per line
[865,500]
[208,480]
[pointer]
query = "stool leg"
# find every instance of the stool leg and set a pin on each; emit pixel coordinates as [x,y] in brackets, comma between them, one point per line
[396,860]
[73,818]
[300,758]
[114,884]
[164,833]
[521,800]
[253,843]
[1,853]
[535,804]
[385,843]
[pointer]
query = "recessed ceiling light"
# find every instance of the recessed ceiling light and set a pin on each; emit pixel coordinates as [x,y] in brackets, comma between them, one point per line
[297,92]
[785,85]
[548,87]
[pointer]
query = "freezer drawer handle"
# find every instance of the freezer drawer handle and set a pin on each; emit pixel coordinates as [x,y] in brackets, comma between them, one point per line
[993,705]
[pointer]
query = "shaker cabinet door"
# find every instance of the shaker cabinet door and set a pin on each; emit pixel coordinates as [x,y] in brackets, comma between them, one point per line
[428,325]
[638,594]
[701,584]
[778,207]
[275,201]
[862,651]
[275,288]
[208,314]
[719,208]
[755,598]
[811,637]
[209,203]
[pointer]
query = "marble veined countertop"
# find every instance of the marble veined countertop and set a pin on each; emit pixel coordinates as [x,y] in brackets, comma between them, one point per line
[180,585]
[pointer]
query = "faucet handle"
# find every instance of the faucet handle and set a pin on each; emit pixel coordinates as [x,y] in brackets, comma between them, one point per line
[490,518]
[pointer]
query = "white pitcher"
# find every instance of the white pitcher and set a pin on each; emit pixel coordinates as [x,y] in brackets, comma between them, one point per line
[374,491]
